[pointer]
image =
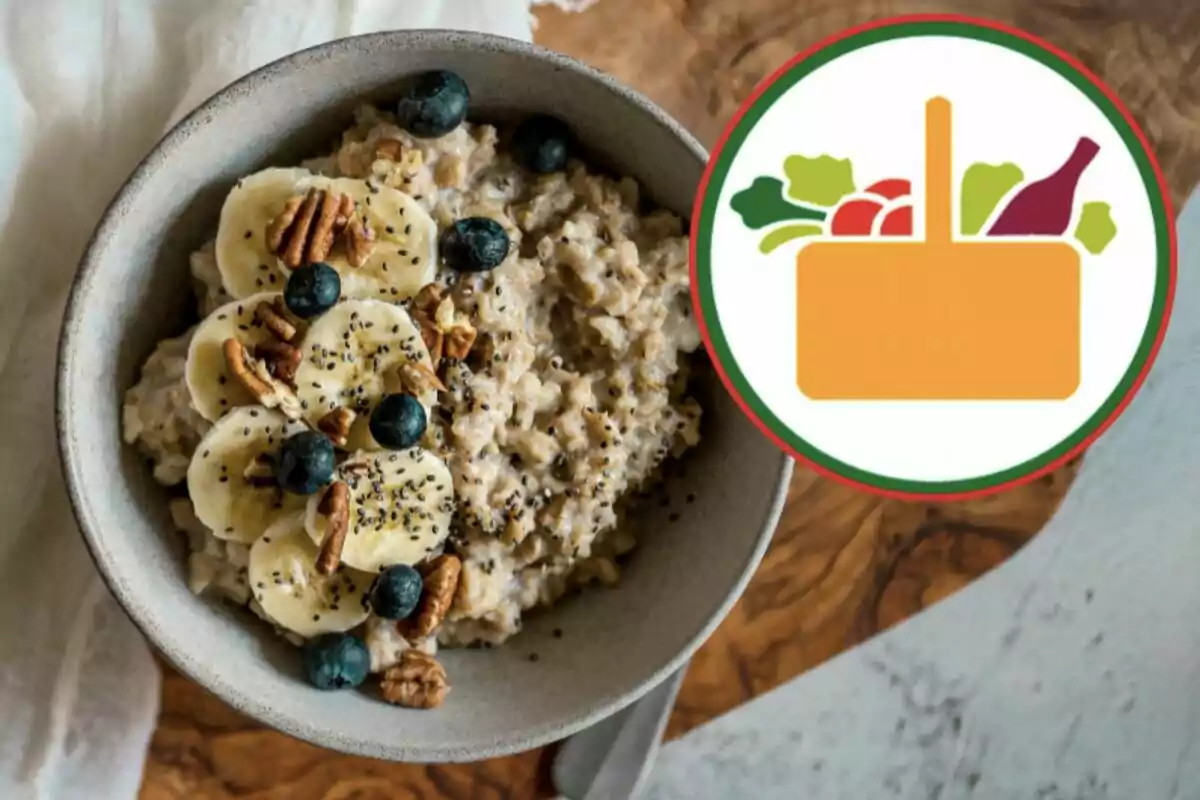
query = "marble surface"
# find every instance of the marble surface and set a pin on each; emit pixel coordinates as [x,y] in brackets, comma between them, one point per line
[1072,672]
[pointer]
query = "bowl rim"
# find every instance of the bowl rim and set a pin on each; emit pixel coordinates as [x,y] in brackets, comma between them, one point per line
[70,456]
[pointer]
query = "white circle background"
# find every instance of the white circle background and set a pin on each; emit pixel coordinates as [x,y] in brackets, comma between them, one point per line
[869,106]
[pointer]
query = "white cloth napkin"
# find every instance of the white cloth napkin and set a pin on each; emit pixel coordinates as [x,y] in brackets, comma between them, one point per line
[86,88]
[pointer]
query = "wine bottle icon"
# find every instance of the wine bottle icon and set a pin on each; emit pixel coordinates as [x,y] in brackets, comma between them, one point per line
[1043,208]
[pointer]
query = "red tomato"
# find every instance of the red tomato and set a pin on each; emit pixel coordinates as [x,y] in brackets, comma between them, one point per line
[890,188]
[897,222]
[854,218]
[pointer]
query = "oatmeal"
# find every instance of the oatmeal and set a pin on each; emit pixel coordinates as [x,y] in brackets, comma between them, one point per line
[431,374]
[158,414]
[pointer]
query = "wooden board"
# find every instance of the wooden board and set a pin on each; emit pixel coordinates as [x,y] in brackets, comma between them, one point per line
[843,565]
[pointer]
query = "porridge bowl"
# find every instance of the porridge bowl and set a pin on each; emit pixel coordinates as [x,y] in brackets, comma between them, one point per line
[393,428]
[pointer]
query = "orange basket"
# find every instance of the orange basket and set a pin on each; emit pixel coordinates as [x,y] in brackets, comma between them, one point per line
[938,319]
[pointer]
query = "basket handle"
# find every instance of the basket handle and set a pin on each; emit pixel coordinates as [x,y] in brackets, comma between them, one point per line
[937,170]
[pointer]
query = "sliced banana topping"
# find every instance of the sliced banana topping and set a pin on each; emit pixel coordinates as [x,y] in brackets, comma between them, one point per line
[400,509]
[244,260]
[291,593]
[230,478]
[213,386]
[393,241]
[404,255]
[352,356]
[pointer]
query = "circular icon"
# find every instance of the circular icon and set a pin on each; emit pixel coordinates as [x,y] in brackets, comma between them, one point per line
[933,257]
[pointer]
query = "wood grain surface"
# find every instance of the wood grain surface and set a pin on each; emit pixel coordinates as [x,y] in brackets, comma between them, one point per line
[843,565]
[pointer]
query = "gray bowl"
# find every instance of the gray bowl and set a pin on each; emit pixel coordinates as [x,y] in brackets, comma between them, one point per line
[133,289]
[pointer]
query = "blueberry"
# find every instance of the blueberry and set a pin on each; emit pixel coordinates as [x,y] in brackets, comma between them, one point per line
[398,422]
[336,661]
[474,244]
[305,462]
[542,143]
[312,290]
[435,104]
[396,591]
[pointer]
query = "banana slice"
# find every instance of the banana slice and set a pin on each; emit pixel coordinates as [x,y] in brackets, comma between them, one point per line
[400,508]
[352,356]
[245,262]
[290,591]
[236,500]
[213,387]
[403,257]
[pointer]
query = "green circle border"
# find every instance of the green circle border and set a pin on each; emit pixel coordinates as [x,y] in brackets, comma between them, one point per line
[736,137]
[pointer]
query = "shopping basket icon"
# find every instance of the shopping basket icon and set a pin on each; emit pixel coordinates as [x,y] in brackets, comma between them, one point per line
[938,319]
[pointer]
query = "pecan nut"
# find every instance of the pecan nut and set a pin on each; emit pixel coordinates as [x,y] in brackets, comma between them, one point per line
[430,335]
[417,379]
[273,316]
[360,241]
[443,314]
[281,358]
[336,425]
[441,576]
[283,223]
[335,507]
[304,232]
[459,340]
[418,681]
[238,361]
[255,376]
[457,331]
[424,313]
[446,332]
[428,299]
[320,241]
[345,210]
[292,237]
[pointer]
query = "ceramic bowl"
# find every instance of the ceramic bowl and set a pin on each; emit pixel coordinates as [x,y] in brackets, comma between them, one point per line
[133,289]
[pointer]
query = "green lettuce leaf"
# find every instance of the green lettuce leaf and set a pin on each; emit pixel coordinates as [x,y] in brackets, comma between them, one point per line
[983,187]
[1096,227]
[763,204]
[820,181]
[786,233]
